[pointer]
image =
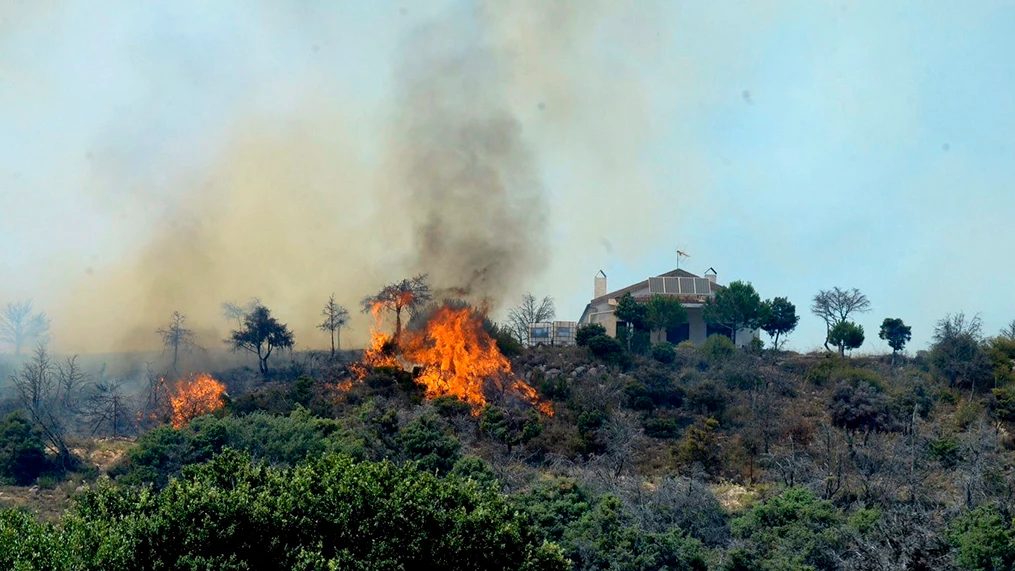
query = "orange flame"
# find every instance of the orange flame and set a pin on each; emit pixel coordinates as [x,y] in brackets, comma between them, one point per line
[193,397]
[457,358]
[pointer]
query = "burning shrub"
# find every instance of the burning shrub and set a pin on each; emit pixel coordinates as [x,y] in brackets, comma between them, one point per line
[451,355]
[201,394]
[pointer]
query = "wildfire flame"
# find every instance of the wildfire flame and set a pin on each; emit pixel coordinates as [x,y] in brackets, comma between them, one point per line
[200,394]
[456,355]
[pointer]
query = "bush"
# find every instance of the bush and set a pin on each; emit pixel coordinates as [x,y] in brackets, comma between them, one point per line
[426,442]
[164,451]
[22,451]
[660,427]
[605,348]
[327,513]
[859,409]
[718,348]
[664,352]
[984,538]
[26,544]
[794,530]
[587,332]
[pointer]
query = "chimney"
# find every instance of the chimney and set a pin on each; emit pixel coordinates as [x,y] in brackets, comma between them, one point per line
[600,285]
[710,275]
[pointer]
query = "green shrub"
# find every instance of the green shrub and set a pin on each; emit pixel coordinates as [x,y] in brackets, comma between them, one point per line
[163,452]
[427,442]
[945,451]
[475,469]
[1004,404]
[327,513]
[793,530]
[27,545]
[664,352]
[606,348]
[586,332]
[718,348]
[22,451]
[660,427]
[984,539]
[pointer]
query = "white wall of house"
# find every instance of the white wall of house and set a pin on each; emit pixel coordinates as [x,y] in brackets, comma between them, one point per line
[603,314]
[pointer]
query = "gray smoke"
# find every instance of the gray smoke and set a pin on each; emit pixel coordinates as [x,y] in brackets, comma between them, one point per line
[477,205]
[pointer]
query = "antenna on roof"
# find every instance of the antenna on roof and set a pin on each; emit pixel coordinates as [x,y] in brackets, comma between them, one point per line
[681,254]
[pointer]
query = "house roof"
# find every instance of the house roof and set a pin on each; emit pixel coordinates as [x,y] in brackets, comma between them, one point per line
[678,273]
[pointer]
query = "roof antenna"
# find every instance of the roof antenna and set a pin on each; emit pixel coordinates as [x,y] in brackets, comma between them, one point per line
[681,254]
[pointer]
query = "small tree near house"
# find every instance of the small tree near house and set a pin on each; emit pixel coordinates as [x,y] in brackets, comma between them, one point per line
[778,318]
[734,307]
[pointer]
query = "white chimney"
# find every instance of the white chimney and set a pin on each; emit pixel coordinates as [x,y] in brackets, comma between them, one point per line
[600,285]
[710,275]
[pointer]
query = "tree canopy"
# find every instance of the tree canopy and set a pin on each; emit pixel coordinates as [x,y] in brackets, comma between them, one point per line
[846,335]
[409,295]
[836,305]
[20,325]
[778,318]
[896,333]
[530,311]
[664,312]
[734,307]
[261,335]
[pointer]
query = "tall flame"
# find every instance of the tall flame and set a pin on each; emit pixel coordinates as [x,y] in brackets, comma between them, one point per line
[195,396]
[457,358]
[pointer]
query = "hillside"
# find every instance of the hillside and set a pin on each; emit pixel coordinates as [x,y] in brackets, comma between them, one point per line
[699,457]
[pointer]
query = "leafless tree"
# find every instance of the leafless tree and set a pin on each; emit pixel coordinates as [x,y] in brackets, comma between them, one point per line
[153,399]
[835,305]
[335,317]
[236,312]
[1009,331]
[19,325]
[530,311]
[107,407]
[409,295]
[176,337]
[624,438]
[39,391]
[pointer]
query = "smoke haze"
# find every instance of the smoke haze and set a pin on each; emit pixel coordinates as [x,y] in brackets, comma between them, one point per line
[291,188]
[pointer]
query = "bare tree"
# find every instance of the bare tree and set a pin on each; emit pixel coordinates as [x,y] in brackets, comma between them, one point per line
[107,407]
[529,312]
[236,312]
[177,337]
[335,317]
[835,305]
[1009,331]
[19,325]
[39,391]
[153,408]
[409,295]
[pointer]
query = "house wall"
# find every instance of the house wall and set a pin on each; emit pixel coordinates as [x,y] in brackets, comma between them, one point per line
[603,314]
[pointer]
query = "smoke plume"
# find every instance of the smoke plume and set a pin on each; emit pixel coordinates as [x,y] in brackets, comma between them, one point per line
[291,202]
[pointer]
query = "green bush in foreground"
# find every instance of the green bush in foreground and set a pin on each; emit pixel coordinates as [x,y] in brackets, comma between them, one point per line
[329,513]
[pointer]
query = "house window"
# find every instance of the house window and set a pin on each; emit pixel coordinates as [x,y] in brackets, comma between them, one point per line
[678,334]
[711,330]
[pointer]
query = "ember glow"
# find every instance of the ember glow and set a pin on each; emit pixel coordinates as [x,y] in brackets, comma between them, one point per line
[200,394]
[456,356]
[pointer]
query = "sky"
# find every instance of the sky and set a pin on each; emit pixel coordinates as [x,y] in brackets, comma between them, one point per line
[798,145]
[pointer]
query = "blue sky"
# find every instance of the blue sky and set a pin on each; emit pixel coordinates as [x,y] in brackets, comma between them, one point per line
[798,145]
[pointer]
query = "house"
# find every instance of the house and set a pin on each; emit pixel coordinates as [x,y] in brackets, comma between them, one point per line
[692,291]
